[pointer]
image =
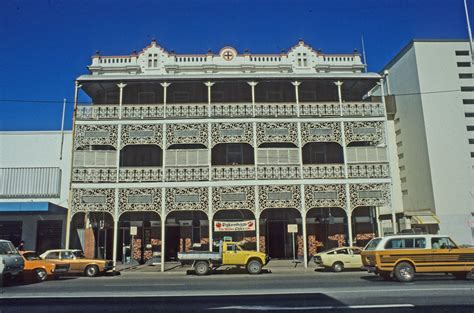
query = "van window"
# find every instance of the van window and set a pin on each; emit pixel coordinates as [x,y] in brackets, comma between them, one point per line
[372,245]
[400,243]
[7,248]
[442,243]
[420,243]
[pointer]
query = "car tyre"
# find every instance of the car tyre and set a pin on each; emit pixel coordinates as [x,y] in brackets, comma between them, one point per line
[254,267]
[201,268]
[337,267]
[461,275]
[404,272]
[41,274]
[91,271]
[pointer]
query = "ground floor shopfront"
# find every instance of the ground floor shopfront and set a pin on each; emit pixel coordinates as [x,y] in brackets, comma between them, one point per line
[290,221]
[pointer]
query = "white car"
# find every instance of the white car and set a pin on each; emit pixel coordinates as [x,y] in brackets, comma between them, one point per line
[12,263]
[338,259]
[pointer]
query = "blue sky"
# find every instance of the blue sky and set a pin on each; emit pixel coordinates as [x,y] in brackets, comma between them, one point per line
[45,45]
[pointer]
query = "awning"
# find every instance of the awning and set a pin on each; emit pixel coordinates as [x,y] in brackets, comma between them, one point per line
[424,219]
[31,208]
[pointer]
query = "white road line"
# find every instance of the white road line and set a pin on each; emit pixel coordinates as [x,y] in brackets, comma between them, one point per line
[147,285]
[305,308]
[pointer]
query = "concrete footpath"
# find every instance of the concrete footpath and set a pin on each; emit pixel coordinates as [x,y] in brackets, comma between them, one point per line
[275,266]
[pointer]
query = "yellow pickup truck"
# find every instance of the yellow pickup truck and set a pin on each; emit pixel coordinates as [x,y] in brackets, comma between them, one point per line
[230,253]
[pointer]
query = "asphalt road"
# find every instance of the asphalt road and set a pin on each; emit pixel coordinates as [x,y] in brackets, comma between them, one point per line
[239,292]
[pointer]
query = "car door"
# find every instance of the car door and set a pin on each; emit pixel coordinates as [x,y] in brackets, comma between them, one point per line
[355,257]
[68,256]
[445,255]
[230,254]
[343,255]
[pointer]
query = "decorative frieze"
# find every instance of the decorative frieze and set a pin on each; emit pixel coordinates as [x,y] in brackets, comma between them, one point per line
[284,196]
[231,133]
[364,131]
[179,199]
[323,196]
[141,135]
[186,134]
[93,200]
[86,135]
[277,132]
[369,195]
[233,198]
[139,199]
[321,132]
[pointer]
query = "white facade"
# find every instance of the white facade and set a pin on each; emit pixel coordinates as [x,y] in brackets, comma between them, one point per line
[34,171]
[434,89]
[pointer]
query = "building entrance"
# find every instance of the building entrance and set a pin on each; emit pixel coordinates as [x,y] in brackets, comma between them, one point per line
[172,236]
[48,235]
[277,239]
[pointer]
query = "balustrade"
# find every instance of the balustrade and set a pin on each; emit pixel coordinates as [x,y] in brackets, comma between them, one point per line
[187,174]
[374,170]
[140,174]
[142,112]
[323,171]
[94,175]
[275,109]
[186,110]
[232,110]
[97,112]
[233,172]
[278,172]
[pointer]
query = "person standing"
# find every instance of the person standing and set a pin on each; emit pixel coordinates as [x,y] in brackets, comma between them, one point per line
[21,246]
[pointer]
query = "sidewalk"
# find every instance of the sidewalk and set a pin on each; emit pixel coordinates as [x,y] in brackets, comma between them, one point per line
[275,266]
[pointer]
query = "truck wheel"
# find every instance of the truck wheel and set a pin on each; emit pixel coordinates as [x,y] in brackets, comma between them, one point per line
[201,268]
[91,271]
[404,272]
[254,267]
[338,267]
[40,274]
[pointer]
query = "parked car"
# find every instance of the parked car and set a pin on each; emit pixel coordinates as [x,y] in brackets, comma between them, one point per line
[39,269]
[402,256]
[338,259]
[230,253]
[12,262]
[79,264]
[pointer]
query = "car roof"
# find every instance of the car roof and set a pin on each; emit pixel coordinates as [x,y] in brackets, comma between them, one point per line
[4,240]
[62,250]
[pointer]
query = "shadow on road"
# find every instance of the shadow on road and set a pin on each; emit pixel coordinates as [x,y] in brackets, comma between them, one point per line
[229,271]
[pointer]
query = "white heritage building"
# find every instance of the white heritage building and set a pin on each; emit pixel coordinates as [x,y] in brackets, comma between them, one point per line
[176,146]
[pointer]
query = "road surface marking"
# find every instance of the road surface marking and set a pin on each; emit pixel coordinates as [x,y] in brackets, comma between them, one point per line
[329,307]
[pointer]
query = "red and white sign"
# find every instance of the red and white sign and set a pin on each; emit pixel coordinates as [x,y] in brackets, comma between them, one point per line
[234,226]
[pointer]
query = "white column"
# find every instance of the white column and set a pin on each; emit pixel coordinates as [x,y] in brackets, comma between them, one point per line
[77,86]
[257,219]
[209,151]
[346,170]
[392,209]
[297,96]
[379,226]
[209,216]
[116,218]
[121,86]
[255,148]
[339,94]
[163,164]
[209,85]
[165,86]
[303,221]
[163,227]
[252,85]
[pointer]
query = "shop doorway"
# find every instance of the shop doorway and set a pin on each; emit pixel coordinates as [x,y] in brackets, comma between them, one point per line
[172,243]
[277,239]
[11,230]
[48,235]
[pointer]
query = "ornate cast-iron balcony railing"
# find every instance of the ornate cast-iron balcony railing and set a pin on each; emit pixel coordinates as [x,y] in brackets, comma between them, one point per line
[228,110]
[140,174]
[230,172]
[323,171]
[233,172]
[94,174]
[369,170]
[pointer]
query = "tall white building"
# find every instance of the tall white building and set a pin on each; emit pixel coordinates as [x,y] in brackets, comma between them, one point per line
[433,84]
[180,150]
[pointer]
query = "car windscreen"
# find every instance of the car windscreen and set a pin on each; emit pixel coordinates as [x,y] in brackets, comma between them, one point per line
[7,248]
[79,254]
[372,245]
[31,256]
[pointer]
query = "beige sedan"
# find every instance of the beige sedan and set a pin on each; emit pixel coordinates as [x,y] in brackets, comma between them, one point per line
[79,264]
[338,259]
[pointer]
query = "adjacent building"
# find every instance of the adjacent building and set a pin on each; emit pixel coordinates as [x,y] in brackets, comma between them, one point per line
[178,151]
[433,83]
[35,169]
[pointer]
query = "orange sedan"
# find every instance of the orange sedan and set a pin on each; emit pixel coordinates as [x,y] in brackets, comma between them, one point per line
[39,269]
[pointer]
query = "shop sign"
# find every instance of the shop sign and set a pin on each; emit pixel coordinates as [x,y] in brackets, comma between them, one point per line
[133,230]
[292,228]
[248,225]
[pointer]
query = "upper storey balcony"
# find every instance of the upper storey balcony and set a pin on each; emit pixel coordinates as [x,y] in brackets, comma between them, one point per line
[222,99]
